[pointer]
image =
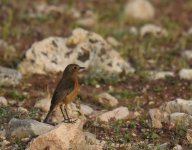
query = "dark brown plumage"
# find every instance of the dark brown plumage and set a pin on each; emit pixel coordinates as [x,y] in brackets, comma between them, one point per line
[66,91]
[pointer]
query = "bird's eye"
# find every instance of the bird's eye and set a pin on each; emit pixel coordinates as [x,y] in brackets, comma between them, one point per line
[75,67]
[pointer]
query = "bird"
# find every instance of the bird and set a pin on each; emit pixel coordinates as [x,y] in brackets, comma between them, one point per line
[65,92]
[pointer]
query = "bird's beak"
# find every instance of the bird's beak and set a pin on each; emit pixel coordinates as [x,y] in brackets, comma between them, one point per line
[80,68]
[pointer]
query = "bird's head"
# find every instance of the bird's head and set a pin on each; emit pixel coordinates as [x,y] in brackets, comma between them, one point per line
[72,69]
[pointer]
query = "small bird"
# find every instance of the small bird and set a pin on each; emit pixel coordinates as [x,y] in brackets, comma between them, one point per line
[65,92]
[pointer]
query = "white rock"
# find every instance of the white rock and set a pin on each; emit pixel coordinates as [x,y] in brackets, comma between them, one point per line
[85,109]
[155,75]
[82,47]
[18,128]
[190,31]
[139,10]
[178,105]
[22,110]
[43,104]
[185,74]
[3,101]
[156,118]
[9,76]
[63,137]
[189,135]
[163,146]
[87,19]
[181,119]
[106,99]
[187,54]
[117,114]
[177,147]
[113,41]
[152,29]
[133,30]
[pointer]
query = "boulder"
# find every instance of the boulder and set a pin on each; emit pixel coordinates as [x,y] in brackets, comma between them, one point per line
[9,76]
[18,128]
[83,47]
[141,10]
[63,137]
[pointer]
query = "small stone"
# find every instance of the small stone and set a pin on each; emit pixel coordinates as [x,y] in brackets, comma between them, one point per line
[155,75]
[189,135]
[155,115]
[117,114]
[18,128]
[3,101]
[177,147]
[185,74]
[43,104]
[163,146]
[87,110]
[133,115]
[22,110]
[9,76]
[135,9]
[113,41]
[190,31]
[187,54]
[105,99]
[152,29]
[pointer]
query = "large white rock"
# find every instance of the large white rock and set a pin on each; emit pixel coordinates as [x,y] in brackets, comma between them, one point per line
[153,30]
[82,47]
[185,74]
[107,100]
[139,10]
[63,137]
[117,114]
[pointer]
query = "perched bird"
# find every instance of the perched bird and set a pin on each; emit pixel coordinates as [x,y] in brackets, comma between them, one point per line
[66,91]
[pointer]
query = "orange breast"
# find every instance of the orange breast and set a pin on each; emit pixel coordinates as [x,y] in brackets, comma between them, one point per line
[70,97]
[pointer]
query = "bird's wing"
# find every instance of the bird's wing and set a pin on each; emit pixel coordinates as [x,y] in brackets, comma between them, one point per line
[62,90]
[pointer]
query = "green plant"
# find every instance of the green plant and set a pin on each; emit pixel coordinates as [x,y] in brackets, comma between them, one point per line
[16,95]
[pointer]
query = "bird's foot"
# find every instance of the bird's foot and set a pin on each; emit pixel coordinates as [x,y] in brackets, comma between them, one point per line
[69,120]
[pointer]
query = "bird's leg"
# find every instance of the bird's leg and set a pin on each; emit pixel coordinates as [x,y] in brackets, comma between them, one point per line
[62,113]
[69,119]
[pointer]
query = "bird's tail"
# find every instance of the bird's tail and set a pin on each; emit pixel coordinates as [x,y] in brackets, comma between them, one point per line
[48,114]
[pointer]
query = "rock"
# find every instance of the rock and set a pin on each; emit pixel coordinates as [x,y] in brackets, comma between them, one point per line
[3,101]
[85,109]
[153,30]
[178,105]
[82,47]
[187,54]
[62,137]
[155,75]
[113,41]
[177,147]
[163,146]
[9,76]
[133,30]
[133,115]
[139,10]
[156,118]
[22,110]
[189,135]
[43,104]
[18,128]
[185,74]
[105,99]
[190,31]
[87,19]
[117,114]
[181,119]
[91,138]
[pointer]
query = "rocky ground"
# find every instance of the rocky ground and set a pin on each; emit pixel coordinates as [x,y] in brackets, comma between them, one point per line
[135,92]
